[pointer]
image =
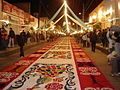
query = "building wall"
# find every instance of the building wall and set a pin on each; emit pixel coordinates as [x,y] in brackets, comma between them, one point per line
[0,12]
[17,18]
[108,13]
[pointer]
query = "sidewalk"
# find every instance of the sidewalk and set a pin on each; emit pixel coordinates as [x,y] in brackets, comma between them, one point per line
[10,51]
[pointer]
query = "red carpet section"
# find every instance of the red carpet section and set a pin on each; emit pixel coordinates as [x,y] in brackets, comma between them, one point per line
[62,65]
[90,76]
[8,74]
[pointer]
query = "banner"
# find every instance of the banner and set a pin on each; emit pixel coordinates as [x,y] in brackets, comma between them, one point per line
[15,11]
[21,13]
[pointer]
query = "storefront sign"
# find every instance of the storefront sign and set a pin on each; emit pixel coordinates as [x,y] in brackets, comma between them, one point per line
[15,11]
[21,13]
[26,16]
[11,9]
[5,16]
[32,19]
[21,21]
[7,7]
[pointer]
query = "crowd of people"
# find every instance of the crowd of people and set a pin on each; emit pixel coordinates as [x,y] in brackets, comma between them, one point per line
[107,38]
[10,39]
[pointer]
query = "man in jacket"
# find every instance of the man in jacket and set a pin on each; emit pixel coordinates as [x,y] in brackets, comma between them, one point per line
[11,38]
[93,40]
[21,43]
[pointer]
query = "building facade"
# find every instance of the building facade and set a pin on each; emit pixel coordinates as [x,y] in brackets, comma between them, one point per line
[105,13]
[12,16]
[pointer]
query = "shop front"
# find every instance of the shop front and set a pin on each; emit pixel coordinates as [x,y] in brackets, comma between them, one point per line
[104,13]
[13,17]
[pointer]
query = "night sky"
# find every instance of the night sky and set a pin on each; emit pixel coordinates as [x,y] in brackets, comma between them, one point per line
[49,7]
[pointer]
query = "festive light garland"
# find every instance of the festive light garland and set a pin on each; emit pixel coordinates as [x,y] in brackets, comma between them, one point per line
[56,21]
[75,21]
[54,16]
[66,19]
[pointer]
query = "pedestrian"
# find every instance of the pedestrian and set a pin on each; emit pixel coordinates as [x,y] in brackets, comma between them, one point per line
[21,43]
[24,36]
[88,40]
[111,43]
[84,38]
[4,38]
[11,37]
[117,48]
[114,63]
[28,37]
[93,40]
[48,37]
[104,38]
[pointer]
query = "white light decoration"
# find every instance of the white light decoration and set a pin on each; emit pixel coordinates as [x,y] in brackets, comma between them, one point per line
[90,19]
[86,23]
[100,14]
[73,24]
[35,28]
[66,19]
[94,17]
[6,21]
[81,31]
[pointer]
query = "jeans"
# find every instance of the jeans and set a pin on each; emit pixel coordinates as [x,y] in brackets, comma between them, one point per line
[11,42]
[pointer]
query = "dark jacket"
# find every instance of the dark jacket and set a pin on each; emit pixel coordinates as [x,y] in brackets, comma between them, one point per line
[11,34]
[0,35]
[93,37]
[20,40]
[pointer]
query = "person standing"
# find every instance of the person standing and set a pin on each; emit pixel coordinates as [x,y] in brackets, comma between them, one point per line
[24,36]
[28,37]
[4,38]
[21,43]
[111,43]
[115,60]
[93,40]
[84,38]
[11,38]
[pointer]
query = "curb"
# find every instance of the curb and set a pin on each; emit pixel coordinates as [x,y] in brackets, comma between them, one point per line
[102,50]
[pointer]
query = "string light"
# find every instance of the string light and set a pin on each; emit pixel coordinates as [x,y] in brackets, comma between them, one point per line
[66,19]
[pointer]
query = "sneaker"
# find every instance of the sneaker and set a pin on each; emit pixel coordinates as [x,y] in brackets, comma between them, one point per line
[117,75]
[21,56]
[112,75]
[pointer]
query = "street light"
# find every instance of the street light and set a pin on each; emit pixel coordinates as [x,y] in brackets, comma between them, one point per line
[79,13]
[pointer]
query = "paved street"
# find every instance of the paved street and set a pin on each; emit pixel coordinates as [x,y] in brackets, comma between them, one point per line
[98,58]
[10,59]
